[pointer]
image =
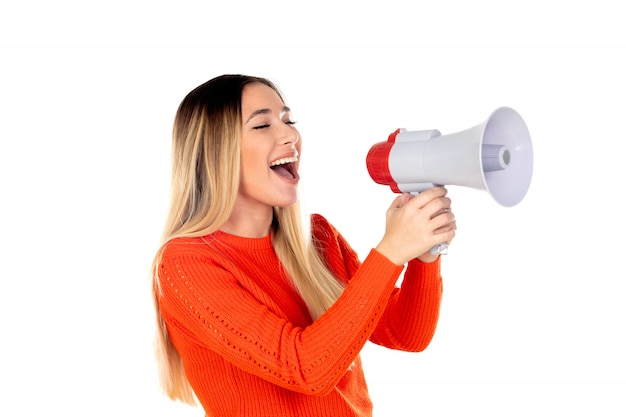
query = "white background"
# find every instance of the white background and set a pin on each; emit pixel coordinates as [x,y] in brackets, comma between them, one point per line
[533,319]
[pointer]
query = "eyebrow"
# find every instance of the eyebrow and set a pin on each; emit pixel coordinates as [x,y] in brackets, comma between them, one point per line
[266,111]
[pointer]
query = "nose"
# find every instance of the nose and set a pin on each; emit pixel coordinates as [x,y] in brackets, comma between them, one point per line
[290,136]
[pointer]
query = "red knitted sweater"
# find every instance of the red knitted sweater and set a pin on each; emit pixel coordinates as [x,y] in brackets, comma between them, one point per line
[248,343]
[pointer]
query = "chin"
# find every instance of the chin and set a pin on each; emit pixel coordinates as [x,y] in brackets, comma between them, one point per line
[286,202]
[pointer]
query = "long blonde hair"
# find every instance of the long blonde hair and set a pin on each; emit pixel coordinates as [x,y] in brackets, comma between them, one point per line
[206,147]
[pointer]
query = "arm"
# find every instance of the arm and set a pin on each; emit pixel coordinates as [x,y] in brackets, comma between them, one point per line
[410,318]
[204,305]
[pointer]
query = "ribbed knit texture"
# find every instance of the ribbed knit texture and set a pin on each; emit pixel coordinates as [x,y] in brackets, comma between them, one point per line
[248,343]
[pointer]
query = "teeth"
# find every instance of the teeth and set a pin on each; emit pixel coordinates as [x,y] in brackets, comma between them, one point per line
[284,161]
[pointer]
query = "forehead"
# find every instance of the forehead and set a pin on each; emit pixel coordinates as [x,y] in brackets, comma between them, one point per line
[257,96]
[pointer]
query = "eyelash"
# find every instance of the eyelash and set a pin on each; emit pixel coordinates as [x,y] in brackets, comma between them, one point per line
[289,122]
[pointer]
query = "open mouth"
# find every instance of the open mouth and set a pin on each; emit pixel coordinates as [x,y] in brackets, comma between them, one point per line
[285,167]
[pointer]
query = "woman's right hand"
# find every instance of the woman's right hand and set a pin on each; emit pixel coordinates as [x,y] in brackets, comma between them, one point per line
[416,224]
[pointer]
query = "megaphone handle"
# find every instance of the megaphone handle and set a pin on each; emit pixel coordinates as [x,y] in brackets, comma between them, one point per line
[440,249]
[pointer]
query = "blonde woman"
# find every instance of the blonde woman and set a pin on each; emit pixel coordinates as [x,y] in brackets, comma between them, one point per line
[263,314]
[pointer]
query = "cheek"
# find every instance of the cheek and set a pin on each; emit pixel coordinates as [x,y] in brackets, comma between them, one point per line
[249,157]
[253,167]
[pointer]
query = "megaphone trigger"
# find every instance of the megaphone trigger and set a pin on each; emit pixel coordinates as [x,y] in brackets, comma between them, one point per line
[440,249]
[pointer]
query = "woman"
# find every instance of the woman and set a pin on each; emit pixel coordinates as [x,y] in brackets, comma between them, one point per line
[259,312]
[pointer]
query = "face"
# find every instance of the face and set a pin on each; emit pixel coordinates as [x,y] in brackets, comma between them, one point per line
[270,150]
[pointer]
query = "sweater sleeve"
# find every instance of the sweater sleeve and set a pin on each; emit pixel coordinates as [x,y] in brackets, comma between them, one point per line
[410,318]
[203,305]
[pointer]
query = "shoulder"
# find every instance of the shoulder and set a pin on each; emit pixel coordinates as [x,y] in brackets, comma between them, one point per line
[192,259]
[184,246]
[337,253]
[329,240]
[183,254]
[323,230]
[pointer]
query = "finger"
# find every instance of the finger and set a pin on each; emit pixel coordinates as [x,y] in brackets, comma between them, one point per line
[425,197]
[436,207]
[401,200]
[444,222]
[446,236]
[445,229]
[441,205]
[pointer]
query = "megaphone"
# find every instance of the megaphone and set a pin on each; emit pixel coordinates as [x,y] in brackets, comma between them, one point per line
[495,156]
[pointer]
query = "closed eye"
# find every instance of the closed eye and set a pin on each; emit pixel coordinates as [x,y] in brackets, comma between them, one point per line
[265,126]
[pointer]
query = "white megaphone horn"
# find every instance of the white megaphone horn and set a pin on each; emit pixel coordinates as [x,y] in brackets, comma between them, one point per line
[495,155]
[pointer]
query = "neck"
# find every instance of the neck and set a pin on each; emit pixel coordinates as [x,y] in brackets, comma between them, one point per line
[247,222]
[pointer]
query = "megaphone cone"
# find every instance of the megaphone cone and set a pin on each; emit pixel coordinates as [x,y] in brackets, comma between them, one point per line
[495,156]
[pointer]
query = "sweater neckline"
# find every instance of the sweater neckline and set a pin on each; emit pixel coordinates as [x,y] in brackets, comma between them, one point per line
[245,243]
